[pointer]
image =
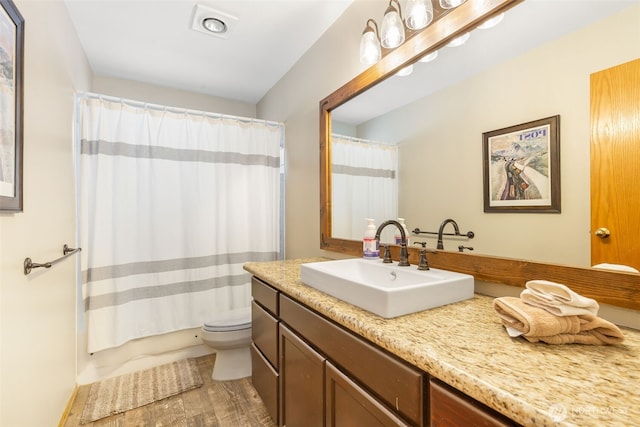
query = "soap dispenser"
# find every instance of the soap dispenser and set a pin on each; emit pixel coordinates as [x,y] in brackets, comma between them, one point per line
[398,236]
[370,246]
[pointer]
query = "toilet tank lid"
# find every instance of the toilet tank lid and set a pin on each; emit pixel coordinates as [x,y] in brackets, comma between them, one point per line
[240,317]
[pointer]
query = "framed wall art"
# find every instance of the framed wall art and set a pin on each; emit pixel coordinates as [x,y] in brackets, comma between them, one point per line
[521,166]
[11,108]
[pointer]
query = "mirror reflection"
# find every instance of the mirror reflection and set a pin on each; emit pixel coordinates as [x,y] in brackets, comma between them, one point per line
[411,147]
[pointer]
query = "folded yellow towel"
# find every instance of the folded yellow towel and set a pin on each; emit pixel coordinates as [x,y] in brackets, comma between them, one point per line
[558,299]
[537,324]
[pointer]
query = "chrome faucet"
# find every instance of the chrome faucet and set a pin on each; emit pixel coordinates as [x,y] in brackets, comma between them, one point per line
[440,245]
[404,255]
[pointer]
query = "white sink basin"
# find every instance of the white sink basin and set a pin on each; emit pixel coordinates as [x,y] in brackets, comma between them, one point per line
[386,289]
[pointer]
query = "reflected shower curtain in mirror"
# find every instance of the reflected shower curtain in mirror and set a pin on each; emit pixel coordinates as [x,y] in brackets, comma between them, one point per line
[171,203]
[364,184]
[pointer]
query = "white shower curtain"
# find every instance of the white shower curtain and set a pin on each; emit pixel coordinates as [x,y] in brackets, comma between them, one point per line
[171,204]
[364,185]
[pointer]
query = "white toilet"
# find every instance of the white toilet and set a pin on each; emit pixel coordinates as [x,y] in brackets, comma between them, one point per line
[229,333]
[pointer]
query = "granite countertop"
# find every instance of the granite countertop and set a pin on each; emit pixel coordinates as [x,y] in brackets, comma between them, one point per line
[465,345]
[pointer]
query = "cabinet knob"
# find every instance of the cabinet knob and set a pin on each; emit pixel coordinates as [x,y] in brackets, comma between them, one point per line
[603,232]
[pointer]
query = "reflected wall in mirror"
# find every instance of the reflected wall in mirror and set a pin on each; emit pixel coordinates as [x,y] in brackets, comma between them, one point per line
[510,74]
[437,118]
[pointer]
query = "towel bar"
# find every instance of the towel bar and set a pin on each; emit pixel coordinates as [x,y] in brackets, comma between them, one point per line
[468,234]
[66,251]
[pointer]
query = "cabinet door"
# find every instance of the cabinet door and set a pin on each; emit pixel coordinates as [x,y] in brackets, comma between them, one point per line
[451,408]
[301,382]
[349,405]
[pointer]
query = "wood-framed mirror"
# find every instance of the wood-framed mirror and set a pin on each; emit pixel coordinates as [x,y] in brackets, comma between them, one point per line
[614,288]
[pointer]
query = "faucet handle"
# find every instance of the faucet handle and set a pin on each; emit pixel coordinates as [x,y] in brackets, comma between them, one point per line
[387,255]
[423,264]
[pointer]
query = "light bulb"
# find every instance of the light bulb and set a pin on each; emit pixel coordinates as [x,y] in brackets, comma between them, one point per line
[392,30]
[419,13]
[214,25]
[369,48]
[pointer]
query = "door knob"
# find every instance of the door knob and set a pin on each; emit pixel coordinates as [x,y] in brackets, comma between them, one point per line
[603,232]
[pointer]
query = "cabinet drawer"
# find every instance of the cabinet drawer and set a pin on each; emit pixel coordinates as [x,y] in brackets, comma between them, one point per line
[265,295]
[451,408]
[265,380]
[264,333]
[397,384]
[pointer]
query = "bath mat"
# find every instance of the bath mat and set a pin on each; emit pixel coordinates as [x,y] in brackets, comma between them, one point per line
[129,391]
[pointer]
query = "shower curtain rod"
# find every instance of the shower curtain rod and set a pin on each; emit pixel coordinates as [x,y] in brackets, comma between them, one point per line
[178,110]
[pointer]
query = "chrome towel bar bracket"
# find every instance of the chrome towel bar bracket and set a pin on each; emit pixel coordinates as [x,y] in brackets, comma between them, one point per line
[66,251]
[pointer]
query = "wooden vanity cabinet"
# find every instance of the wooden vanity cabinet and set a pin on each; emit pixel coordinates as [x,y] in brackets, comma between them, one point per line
[362,384]
[264,346]
[310,371]
[451,408]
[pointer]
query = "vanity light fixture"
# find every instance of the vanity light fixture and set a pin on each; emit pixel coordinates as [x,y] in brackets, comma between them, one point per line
[392,29]
[419,14]
[370,51]
[450,4]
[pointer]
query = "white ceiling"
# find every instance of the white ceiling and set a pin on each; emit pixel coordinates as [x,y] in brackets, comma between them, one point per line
[152,41]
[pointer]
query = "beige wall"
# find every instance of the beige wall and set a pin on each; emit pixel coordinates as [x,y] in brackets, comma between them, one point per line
[295,99]
[38,312]
[140,91]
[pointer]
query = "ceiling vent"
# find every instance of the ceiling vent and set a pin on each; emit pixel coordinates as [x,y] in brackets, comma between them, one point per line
[213,22]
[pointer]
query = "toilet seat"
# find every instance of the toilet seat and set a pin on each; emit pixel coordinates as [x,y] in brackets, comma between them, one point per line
[231,320]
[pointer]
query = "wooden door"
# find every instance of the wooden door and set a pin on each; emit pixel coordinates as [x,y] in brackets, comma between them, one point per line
[615,165]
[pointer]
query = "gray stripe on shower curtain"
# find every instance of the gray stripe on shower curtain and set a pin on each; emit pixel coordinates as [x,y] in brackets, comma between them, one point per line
[147,267]
[117,298]
[123,149]
[362,171]
[150,267]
